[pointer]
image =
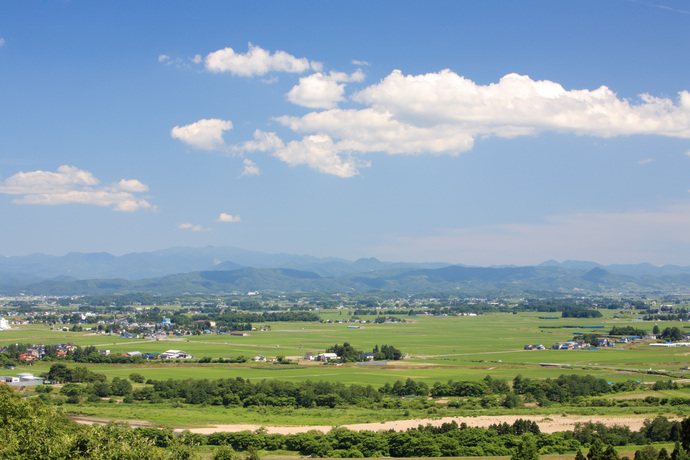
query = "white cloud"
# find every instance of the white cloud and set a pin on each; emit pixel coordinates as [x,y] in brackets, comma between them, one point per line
[518,105]
[70,185]
[316,151]
[646,161]
[228,218]
[206,134]
[436,113]
[2,41]
[192,227]
[263,142]
[257,61]
[322,91]
[443,113]
[320,153]
[132,185]
[369,130]
[626,237]
[360,63]
[163,58]
[250,168]
[197,59]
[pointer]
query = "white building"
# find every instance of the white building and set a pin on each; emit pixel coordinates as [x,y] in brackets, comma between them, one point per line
[174,354]
[4,325]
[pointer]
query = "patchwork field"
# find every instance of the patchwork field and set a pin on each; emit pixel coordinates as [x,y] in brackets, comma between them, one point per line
[437,349]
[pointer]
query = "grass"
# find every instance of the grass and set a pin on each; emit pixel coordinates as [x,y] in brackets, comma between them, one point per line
[439,349]
[185,415]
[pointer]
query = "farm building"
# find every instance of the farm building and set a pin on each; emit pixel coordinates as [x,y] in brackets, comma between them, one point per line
[566,346]
[175,354]
[23,379]
[325,357]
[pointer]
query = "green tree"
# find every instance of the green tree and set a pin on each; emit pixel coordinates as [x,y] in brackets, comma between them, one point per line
[685,434]
[646,453]
[596,450]
[120,387]
[137,378]
[610,454]
[253,453]
[512,400]
[527,449]
[225,453]
[60,373]
[679,453]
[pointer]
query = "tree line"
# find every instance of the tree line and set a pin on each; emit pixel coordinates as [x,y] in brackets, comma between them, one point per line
[268,392]
[30,429]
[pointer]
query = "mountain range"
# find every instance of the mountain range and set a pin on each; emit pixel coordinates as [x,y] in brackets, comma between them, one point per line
[227,270]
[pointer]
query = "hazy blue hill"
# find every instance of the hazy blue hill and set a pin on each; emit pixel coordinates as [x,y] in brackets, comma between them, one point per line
[462,273]
[79,287]
[596,275]
[476,280]
[224,270]
[636,270]
[207,282]
[143,265]
[227,265]
[465,280]
[344,268]
[9,281]
[648,269]
[572,264]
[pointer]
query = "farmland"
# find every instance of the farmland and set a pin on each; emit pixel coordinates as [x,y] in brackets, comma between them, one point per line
[438,349]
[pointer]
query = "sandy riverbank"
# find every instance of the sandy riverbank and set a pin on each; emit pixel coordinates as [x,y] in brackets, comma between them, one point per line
[547,424]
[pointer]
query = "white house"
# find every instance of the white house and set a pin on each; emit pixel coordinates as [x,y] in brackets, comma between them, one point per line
[4,325]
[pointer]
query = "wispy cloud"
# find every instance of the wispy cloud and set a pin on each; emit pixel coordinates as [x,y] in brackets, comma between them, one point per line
[646,161]
[193,227]
[663,7]
[184,63]
[250,168]
[71,185]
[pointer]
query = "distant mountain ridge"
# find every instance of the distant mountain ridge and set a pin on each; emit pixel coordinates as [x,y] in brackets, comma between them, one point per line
[137,266]
[226,270]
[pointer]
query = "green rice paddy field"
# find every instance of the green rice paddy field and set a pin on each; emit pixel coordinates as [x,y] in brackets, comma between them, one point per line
[438,349]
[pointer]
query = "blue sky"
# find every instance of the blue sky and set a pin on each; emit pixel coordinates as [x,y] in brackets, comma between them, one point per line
[475,132]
